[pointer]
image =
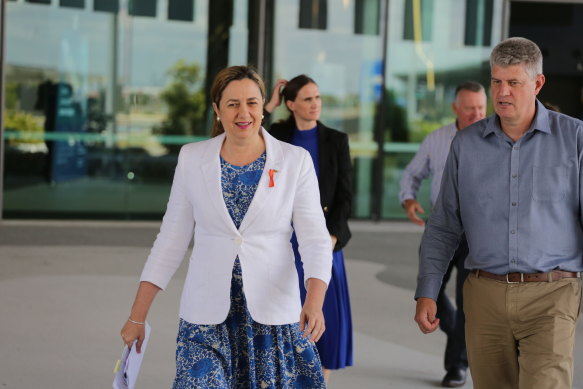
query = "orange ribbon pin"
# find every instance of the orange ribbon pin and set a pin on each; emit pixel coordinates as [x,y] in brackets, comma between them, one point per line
[271,174]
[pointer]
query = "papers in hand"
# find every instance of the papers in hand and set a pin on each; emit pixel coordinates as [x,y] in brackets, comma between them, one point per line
[128,367]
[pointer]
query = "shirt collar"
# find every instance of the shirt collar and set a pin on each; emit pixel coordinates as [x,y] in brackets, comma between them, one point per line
[540,122]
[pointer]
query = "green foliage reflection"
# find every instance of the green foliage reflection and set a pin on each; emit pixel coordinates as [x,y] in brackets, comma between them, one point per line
[185,99]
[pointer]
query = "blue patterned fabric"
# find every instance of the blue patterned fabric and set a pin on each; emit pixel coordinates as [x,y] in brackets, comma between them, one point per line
[239,184]
[240,353]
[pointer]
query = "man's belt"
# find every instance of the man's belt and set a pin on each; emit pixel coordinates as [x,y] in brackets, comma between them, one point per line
[514,278]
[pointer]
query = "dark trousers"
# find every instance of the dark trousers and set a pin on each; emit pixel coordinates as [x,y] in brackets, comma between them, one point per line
[451,319]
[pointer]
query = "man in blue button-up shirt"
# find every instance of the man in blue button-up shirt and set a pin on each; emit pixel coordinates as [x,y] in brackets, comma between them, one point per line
[469,107]
[513,183]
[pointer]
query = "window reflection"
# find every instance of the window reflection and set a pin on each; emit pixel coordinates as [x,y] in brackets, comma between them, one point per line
[366,17]
[128,81]
[418,20]
[142,8]
[313,14]
[72,3]
[106,5]
[182,10]
[478,26]
[98,103]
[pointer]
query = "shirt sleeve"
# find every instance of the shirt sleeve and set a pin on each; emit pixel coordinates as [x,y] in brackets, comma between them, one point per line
[415,172]
[443,231]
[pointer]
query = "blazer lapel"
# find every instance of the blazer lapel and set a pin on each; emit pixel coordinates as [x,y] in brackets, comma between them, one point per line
[211,171]
[273,161]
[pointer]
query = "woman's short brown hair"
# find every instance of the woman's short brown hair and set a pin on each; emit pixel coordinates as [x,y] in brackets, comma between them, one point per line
[224,78]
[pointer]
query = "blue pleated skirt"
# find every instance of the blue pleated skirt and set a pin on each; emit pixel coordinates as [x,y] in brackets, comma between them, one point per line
[240,353]
[335,346]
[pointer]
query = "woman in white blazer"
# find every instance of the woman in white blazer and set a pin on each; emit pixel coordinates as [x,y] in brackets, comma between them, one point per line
[241,321]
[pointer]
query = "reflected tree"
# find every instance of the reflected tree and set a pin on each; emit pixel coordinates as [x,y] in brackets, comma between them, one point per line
[185,99]
[25,124]
[396,127]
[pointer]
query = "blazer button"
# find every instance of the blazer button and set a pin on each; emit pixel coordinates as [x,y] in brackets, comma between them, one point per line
[325,209]
[238,240]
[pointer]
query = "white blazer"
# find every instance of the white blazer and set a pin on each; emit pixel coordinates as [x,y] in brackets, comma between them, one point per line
[262,242]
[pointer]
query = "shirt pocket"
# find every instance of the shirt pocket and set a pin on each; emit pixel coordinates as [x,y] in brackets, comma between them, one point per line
[549,183]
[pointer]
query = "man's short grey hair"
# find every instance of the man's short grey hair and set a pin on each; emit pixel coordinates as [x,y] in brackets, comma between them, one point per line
[471,86]
[515,51]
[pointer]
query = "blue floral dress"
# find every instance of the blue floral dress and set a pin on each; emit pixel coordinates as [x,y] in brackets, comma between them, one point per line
[241,353]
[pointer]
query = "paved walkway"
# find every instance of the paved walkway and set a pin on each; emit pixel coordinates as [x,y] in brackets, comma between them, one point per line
[66,289]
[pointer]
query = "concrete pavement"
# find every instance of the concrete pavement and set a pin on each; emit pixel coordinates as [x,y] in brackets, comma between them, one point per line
[66,289]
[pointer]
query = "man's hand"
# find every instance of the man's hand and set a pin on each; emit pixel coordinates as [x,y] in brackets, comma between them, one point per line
[412,207]
[425,315]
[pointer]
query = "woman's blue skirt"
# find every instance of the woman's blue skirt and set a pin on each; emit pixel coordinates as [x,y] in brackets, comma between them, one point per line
[335,346]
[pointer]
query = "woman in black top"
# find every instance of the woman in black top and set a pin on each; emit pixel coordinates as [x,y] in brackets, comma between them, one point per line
[331,157]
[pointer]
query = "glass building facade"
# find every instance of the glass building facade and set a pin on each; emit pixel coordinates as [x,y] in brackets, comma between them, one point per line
[99,95]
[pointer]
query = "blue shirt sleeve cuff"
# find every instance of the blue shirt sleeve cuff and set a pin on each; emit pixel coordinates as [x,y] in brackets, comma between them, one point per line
[428,286]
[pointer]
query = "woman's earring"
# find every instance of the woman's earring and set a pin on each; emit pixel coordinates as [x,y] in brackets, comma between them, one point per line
[218,119]
[262,117]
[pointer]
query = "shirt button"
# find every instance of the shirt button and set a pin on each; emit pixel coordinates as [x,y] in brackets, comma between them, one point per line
[514,175]
[238,240]
[512,232]
[516,147]
[514,204]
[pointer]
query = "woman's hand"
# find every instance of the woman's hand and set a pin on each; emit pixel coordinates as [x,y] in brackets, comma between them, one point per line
[275,95]
[312,322]
[132,332]
[312,318]
[334,240]
[135,329]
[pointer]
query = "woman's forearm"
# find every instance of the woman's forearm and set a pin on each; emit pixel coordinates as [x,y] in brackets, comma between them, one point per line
[134,327]
[144,298]
[315,292]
